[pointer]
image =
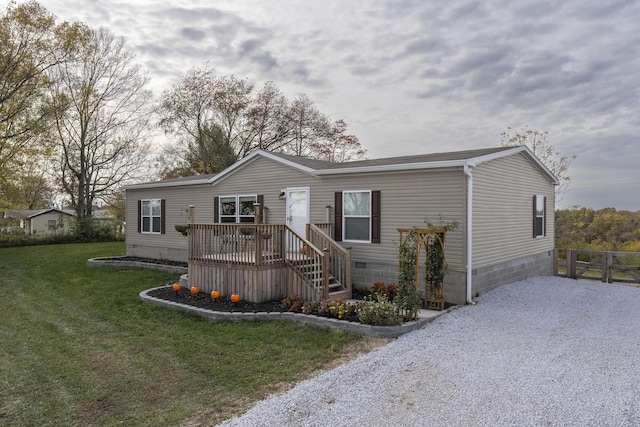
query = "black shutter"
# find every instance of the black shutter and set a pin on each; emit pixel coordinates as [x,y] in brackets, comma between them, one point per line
[337,226]
[139,216]
[544,219]
[261,201]
[375,216]
[216,211]
[162,217]
[534,217]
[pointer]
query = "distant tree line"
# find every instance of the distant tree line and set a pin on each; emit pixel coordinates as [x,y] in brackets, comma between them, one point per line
[600,230]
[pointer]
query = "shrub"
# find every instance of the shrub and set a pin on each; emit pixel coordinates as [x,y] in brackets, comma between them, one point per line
[388,290]
[380,312]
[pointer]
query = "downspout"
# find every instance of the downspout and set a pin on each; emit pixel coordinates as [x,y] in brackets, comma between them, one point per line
[467,172]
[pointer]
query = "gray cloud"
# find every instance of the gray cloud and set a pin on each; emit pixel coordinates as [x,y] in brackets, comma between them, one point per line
[192,34]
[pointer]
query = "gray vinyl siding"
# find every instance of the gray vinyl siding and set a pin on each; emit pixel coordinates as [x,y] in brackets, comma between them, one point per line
[177,202]
[503,191]
[267,177]
[407,198]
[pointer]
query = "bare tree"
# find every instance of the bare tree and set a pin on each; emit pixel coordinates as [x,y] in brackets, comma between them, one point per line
[545,151]
[338,147]
[219,120]
[309,127]
[204,117]
[100,116]
[266,121]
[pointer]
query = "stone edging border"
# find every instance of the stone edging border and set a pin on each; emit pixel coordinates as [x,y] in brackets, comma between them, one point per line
[111,262]
[356,328]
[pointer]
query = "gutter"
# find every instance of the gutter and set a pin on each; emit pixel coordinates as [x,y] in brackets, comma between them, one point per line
[467,172]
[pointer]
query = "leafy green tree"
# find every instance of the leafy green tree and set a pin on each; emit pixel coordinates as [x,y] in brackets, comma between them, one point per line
[29,46]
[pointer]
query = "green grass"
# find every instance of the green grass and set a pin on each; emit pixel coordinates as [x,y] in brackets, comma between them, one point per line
[78,347]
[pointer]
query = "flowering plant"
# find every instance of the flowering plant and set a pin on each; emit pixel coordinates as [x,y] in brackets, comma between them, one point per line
[389,290]
[293,303]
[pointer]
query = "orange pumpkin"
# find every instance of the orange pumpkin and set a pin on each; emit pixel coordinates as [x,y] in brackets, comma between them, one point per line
[215,294]
[235,297]
[176,287]
[195,290]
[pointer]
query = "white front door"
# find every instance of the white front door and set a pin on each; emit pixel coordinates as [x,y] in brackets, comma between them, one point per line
[298,209]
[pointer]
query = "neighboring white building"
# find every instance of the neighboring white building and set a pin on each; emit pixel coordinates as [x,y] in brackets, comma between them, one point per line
[42,221]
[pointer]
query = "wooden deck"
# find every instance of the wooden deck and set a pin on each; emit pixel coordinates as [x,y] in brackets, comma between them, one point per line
[264,262]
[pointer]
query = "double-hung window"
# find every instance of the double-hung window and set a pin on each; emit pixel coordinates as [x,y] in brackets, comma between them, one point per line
[237,208]
[357,216]
[151,216]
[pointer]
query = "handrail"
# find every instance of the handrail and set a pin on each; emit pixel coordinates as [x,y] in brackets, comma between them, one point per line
[339,257]
[308,261]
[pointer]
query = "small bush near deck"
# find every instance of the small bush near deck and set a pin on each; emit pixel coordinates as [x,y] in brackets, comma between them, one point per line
[379,312]
[389,290]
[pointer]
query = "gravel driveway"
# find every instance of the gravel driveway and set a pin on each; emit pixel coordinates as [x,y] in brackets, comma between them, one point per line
[544,352]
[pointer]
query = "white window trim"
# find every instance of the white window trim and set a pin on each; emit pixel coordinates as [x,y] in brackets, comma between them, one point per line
[150,216]
[237,199]
[344,217]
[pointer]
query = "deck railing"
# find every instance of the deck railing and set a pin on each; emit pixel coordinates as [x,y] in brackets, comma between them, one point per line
[237,243]
[608,266]
[262,245]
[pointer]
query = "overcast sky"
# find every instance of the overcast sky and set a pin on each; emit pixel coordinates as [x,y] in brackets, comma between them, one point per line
[415,77]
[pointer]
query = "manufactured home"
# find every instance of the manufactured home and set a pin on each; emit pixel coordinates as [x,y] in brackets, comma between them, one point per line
[270,206]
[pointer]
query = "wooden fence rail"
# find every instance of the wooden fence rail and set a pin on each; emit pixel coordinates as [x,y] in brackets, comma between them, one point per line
[608,266]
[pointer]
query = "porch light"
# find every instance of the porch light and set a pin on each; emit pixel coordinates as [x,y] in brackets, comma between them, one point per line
[282,195]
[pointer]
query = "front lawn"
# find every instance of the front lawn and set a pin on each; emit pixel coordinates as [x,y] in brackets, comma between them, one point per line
[79,348]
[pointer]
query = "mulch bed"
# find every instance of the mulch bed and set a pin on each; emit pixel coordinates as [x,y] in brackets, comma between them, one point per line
[203,300]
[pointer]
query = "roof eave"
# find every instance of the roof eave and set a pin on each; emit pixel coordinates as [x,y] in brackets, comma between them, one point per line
[161,184]
[475,161]
[394,167]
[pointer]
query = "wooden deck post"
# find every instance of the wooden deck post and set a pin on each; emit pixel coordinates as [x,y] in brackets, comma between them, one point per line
[348,270]
[256,213]
[325,272]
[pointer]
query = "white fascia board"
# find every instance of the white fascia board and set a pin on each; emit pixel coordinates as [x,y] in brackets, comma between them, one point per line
[473,162]
[240,163]
[268,155]
[161,184]
[392,168]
